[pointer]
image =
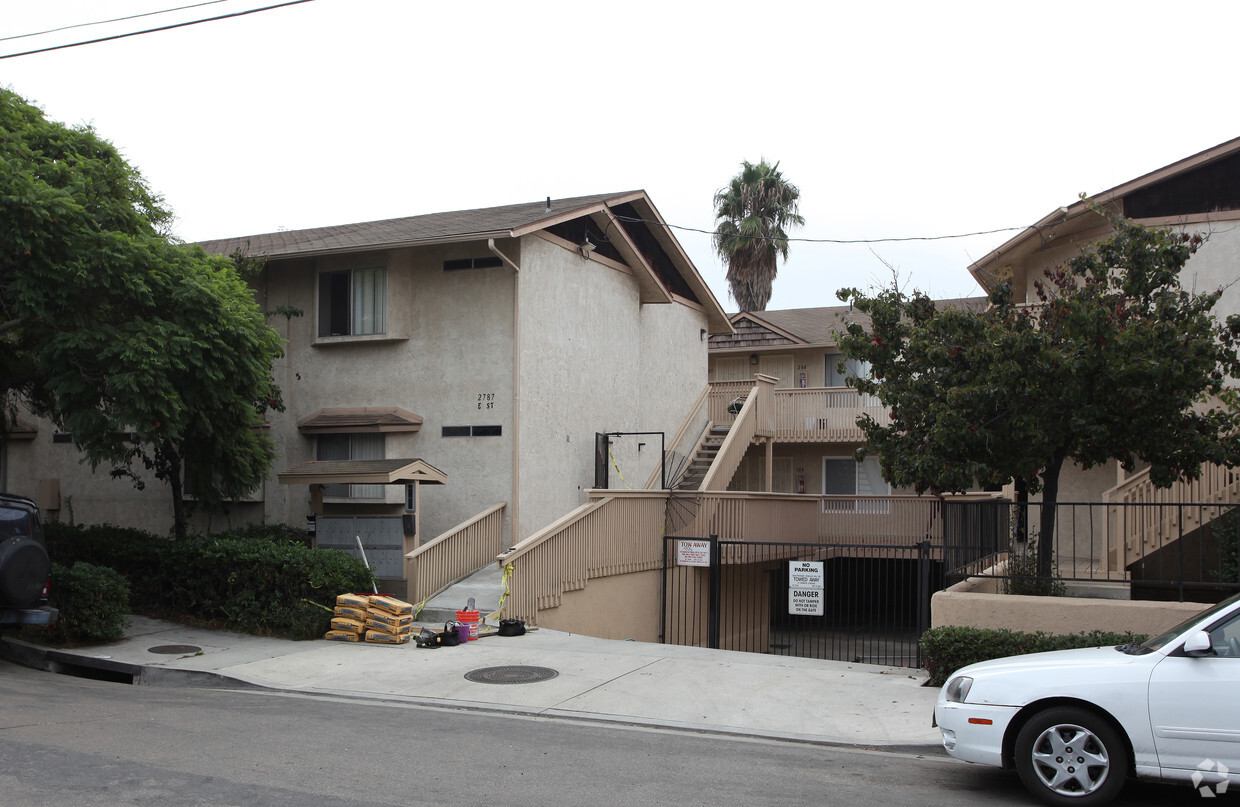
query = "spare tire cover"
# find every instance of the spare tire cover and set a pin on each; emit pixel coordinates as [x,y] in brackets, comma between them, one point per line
[24,568]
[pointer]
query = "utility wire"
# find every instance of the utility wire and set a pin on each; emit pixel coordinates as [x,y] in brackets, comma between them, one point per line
[155,30]
[634,220]
[104,22]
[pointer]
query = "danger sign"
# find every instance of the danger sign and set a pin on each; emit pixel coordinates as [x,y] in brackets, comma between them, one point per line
[805,601]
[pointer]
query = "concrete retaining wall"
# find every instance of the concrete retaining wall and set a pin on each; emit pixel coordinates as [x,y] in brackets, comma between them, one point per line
[970,603]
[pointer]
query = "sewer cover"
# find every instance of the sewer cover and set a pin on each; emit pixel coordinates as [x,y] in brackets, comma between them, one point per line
[510,675]
[175,649]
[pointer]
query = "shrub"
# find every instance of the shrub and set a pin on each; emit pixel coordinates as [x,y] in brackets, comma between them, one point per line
[947,649]
[1022,571]
[93,601]
[252,581]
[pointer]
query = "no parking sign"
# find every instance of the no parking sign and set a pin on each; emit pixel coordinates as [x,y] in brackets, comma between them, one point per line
[805,587]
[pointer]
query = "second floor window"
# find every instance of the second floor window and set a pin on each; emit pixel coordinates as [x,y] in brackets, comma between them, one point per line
[852,368]
[353,302]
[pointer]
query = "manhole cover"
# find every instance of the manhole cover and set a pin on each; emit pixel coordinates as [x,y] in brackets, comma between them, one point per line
[510,675]
[175,649]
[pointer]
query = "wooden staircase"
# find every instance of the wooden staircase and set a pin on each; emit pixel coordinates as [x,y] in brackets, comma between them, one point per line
[1131,539]
[695,472]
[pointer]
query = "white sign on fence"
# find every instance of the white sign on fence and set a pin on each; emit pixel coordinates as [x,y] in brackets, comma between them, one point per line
[805,573]
[692,553]
[805,601]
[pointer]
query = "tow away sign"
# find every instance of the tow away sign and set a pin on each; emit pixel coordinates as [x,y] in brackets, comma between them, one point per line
[805,587]
[805,573]
[692,553]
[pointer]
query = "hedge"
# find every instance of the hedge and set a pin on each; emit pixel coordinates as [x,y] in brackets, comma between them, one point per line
[93,601]
[258,581]
[945,650]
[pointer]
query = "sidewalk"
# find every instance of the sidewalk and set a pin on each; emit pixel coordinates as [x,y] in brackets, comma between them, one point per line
[598,679]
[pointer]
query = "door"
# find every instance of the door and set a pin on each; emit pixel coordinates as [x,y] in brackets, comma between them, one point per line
[1194,708]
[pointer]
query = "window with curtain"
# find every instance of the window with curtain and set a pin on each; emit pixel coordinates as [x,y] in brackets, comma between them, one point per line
[351,447]
[353,302]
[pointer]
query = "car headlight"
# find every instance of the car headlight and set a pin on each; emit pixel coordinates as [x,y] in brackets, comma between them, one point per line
[957,689]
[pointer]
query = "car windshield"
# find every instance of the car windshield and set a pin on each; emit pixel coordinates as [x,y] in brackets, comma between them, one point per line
[1161,640]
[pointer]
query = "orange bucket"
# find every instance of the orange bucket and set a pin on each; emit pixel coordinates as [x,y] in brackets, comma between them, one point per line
[469,618]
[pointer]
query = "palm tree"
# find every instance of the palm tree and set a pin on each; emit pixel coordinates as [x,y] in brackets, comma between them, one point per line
[750,216]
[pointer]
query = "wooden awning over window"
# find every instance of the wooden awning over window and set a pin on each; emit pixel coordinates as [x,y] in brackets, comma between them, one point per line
[18,429]
[360,420]
[363,472]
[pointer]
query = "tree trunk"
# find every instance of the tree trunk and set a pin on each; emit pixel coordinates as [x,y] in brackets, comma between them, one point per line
[1046,530]
[173,460]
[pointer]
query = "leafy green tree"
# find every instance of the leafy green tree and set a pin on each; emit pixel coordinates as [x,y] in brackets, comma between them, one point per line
[1115,361]
[112,329]
[750,216]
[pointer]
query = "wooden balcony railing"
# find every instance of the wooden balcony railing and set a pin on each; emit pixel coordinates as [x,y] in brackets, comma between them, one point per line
[454,555]
[817,415]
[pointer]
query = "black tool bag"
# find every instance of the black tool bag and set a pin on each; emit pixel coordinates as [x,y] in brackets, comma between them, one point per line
[511,627]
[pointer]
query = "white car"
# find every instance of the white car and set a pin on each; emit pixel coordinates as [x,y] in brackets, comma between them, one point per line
[1076,723]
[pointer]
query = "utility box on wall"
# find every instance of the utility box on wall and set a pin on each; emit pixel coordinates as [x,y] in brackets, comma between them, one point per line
[49,494]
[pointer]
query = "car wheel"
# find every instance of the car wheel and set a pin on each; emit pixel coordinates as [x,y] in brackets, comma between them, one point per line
[1071,756]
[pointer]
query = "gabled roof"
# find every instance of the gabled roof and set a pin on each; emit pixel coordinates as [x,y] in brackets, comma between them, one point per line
[1079,220]
[363,472]
[508,221]
[767,331]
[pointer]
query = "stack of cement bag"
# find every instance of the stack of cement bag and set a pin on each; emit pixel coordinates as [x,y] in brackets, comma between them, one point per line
[373,618]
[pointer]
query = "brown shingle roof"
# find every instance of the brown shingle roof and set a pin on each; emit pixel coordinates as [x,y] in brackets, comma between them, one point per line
[458,224]
[804,326]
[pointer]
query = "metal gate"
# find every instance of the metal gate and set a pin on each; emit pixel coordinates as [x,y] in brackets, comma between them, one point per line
[849,602]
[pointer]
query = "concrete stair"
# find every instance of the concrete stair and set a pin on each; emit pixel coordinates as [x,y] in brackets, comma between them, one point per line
[702,460]
[486,586]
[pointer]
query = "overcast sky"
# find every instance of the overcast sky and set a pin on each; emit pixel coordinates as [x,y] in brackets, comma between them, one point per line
[896,119]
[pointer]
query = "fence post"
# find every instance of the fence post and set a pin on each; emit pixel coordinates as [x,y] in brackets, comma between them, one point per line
[923,593]
[713,594]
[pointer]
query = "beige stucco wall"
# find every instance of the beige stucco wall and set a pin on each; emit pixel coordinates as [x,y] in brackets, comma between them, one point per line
[594,359]
[618,607]
[968,604]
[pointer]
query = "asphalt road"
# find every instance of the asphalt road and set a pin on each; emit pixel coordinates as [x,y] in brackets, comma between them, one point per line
[69,741]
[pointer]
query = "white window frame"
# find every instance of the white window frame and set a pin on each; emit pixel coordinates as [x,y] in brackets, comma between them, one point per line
[365,306]
[865,473]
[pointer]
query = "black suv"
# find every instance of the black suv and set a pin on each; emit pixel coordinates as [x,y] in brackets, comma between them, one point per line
[24,566]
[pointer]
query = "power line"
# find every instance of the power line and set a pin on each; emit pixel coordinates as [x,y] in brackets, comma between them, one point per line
[828,240]
[104,22]
[155,30]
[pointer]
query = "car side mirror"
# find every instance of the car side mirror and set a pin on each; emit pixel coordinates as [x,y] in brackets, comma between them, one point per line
[1198,645]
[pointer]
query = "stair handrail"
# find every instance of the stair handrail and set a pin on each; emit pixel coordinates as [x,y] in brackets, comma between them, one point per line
[455,554]
[695,412]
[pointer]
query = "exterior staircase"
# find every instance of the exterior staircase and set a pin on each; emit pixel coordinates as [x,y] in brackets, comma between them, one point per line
[701,462]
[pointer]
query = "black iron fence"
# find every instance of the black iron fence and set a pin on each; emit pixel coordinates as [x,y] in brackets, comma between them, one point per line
[850,602]
[1153,551]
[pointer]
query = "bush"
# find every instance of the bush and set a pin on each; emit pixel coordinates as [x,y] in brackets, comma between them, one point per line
[93,601]
[1022,571]
[946,650]
[257,580]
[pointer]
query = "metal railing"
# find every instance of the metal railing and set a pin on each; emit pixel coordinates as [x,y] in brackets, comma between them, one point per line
[864,603]
[455,554]
[1151,550]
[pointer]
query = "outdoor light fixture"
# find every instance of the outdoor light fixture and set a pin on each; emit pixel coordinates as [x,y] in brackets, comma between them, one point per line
[753,358]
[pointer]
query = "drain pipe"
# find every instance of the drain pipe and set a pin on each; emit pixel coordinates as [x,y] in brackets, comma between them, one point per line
[516,387]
